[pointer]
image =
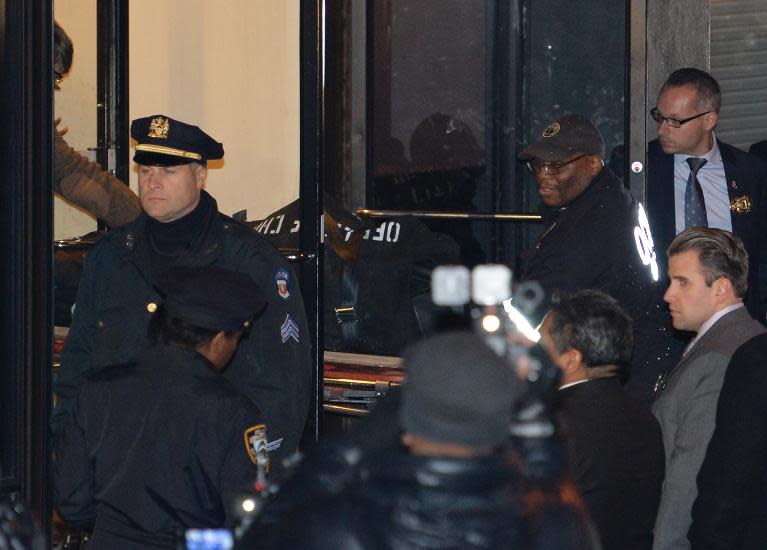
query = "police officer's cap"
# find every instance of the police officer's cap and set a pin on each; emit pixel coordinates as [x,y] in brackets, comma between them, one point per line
[162,141]
[211,298]
[565,137]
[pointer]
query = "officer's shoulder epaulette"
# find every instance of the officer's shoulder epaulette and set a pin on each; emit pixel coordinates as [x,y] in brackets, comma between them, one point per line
[231,225]
[105,246]
[246,235]
[121,238]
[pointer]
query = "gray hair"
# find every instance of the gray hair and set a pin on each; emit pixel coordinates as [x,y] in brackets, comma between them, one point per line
[595,324]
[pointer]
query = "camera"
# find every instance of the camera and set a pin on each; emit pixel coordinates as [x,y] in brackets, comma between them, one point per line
[494,312]
[501,317]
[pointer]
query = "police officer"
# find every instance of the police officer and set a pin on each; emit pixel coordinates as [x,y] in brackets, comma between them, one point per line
[166,443]
[181,226]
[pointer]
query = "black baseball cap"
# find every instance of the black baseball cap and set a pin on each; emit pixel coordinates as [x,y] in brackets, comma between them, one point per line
[563,138]
[163,141]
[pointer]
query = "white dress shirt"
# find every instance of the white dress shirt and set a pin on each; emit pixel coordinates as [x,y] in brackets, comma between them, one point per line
[713,181]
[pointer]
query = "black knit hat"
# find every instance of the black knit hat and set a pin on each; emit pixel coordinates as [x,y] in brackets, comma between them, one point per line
[563,138]
[211,298]
[457,391]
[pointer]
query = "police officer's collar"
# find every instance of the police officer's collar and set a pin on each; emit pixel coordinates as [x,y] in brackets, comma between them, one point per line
[203,250]
[173,356]
[173,237]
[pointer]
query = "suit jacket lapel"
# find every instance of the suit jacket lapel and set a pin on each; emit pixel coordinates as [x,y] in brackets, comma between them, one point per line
[734,187]
[710,340]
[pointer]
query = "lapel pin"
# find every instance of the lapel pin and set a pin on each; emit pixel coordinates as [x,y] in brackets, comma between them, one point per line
[741,205]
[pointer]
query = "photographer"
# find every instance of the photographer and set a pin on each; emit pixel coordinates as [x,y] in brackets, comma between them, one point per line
[447,486]
[446,481]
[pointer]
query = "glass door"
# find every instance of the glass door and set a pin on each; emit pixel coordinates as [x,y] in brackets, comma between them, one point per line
[427,105]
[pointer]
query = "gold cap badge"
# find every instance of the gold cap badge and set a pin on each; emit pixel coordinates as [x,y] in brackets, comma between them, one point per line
[551,130]
[151,307]
[741,205]
[158,128]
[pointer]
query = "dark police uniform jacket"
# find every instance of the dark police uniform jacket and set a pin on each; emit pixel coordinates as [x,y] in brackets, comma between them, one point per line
[597,241]
[272,365]
[154,447]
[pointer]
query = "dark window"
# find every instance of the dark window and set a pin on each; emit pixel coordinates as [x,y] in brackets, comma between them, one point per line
[426,112]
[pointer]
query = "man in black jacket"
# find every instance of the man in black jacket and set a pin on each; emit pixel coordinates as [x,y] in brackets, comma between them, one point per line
[732,182]
[730,512]
[181,226]
[596,236]
[166,443]
[615,446]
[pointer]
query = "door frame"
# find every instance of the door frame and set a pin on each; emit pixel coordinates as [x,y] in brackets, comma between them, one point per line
[26,222]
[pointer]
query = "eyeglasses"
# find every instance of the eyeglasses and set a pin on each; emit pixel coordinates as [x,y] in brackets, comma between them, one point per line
[57,78]
[673,122]
[551,168]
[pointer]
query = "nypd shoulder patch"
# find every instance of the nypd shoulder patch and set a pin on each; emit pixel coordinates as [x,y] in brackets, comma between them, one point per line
[255,443]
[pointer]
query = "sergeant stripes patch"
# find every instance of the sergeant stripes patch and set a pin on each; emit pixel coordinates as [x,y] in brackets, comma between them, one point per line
[289,329]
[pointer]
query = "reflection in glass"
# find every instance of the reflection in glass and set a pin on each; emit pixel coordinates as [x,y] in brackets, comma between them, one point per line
[429,113]
[455,89]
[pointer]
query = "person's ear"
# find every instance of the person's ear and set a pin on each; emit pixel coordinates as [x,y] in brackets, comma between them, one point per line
[219,340]
[596,163]
[571,360]
[723,288]
[710,120]
[200,175]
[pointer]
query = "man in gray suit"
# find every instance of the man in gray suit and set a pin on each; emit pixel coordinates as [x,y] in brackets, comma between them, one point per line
[708,269]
